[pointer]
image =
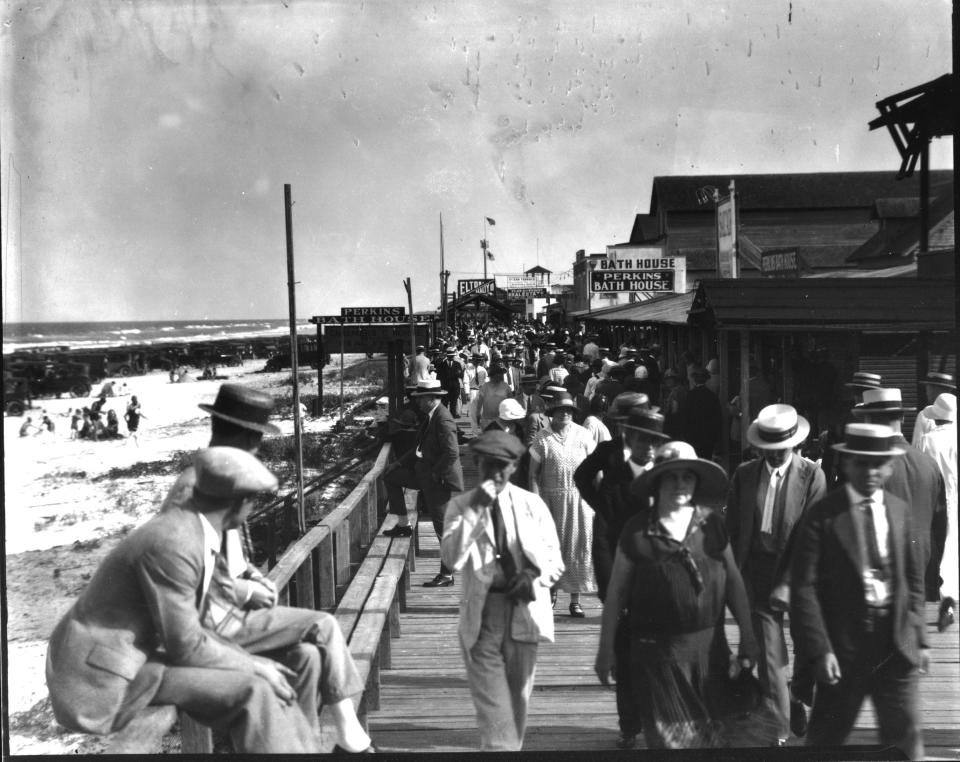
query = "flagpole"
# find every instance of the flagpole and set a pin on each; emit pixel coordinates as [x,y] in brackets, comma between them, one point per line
[483,248]
[443,285]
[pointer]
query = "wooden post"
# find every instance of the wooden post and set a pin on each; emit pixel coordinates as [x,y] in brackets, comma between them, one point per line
[745,412]
[294,360]
[413,331]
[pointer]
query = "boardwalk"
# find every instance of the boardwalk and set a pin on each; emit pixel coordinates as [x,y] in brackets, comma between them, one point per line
[426,706]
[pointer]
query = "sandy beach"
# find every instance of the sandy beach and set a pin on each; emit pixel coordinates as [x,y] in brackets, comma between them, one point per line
[68,502]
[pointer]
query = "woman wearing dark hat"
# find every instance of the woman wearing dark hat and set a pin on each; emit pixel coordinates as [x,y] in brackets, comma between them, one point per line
[674,572]
[554,455]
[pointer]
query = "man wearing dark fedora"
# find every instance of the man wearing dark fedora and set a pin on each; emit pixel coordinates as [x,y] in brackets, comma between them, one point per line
[138,634]
[701,416]
[916,479]
[768,496]
[450,376]
[504,541]
[604,480]
[857,599]
[432,467]
[238,418]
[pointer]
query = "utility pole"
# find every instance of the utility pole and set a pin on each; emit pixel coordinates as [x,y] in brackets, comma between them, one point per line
[294,360]
[413,330]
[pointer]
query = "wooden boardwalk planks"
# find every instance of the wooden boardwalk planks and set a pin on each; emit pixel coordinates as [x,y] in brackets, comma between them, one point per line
[425,703]
[425,700]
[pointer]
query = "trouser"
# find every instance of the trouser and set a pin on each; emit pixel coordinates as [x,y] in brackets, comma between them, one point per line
[879,670]
[602,555]
[773,664]
[310,643]
[500,671]
[628,713]
[435,496]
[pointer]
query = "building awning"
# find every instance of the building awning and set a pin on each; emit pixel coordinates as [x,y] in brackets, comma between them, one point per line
[671,309]
[830,304]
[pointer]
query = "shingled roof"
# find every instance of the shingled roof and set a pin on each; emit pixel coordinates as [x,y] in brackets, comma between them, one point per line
[819,190]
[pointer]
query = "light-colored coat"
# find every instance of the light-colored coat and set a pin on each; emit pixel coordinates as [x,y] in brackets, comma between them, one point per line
[468,546]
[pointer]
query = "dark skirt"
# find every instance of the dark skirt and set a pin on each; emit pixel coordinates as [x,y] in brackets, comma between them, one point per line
[674,679]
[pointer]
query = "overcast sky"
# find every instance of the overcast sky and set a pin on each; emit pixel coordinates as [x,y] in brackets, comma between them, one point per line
[150,141]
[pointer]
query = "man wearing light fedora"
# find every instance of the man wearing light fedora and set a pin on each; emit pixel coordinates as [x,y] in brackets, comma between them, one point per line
[915,479]
[857,599]
[767,499]
[433,467]
[934,385]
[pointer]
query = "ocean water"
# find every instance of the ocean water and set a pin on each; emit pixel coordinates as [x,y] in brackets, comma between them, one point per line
[97,335]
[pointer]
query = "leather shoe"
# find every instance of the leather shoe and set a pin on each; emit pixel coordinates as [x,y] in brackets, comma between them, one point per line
[627,741]
[441,580]
[576,610]
[338,749]
[946,616]
[798,718]
[399,531]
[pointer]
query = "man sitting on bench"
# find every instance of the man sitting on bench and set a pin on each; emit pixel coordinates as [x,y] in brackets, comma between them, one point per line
[135,636]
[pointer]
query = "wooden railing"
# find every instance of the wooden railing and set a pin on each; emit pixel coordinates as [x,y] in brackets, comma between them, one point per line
[316,572]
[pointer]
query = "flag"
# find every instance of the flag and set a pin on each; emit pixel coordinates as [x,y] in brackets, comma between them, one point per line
[489,255]
[483,244]
[491,221]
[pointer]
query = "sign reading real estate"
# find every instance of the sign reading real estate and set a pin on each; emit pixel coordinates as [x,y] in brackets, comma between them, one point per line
[639,270]
[475,286]
[727,237]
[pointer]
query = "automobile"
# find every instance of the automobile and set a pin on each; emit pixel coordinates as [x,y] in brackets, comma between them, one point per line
[51,379]
[16,394]
[126,363]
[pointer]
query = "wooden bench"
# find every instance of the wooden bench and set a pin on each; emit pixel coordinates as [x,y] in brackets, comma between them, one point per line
[338,566]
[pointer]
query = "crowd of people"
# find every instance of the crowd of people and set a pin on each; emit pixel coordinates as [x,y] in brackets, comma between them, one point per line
[597,472]
[623,453]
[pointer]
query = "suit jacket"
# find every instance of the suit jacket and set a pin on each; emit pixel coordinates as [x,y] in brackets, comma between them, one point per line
[440,450]
[611,499]
[468,546]
[701,420]
[918,481]
[104,662]
[827,603]
[804,484]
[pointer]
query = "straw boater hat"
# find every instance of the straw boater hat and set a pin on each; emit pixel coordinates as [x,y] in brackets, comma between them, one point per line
[451,351]
[869,439]
[242,406]
[678,456]
[879,401]
[561,400]
[647,421]
[942,380]
[861,380]
[944,408]
[429,387]
[511,410]
[778,427]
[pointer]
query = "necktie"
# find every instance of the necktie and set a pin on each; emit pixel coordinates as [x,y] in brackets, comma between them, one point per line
[504,556]
[869,529]
[766,523]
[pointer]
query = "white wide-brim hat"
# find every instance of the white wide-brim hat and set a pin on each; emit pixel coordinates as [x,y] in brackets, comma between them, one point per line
[429,387]
[778,427]
[944,407]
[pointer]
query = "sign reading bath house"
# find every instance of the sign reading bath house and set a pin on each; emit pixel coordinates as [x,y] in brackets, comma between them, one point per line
[639,270]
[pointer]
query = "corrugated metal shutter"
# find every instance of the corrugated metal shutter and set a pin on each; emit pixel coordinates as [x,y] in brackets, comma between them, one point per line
[897,373]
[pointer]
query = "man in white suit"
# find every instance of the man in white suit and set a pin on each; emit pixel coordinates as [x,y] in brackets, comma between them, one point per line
[504,540]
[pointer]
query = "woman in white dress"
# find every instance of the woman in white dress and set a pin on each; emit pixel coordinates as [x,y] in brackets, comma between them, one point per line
[555,454]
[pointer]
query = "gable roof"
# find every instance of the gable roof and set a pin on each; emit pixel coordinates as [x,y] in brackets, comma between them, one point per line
[817,190]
